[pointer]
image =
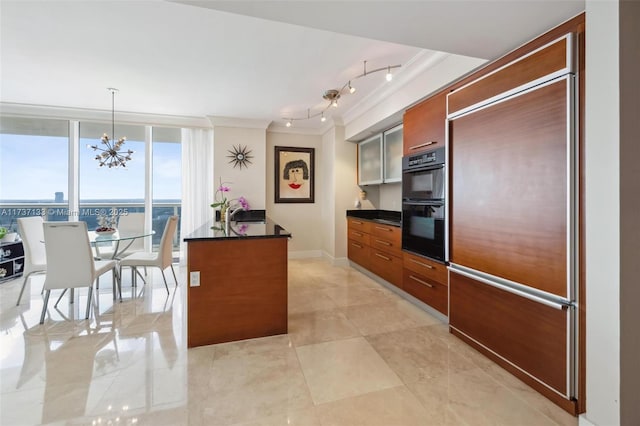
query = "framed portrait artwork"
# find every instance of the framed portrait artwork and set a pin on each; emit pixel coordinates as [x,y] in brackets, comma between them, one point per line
[294,177]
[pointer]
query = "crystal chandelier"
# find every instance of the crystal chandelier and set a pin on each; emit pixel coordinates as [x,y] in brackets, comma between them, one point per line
[111,155]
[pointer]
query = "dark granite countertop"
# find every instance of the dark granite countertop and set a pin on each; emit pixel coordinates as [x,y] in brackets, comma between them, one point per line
[388,217]
[241,229]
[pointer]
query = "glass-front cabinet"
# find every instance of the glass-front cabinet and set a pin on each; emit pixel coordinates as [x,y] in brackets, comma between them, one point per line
[380,158]
[370,161]
[392,152]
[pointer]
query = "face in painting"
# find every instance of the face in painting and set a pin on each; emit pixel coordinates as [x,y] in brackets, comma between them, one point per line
[295,173]
[295,177]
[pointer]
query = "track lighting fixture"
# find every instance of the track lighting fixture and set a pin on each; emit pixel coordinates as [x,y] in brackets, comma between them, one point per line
[332,95]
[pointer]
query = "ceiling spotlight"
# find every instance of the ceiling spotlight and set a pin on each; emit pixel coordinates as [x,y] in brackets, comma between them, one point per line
[332,95]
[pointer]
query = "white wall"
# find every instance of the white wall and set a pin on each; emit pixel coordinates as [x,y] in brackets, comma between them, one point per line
[327,197]
[345,190]
[602,152]
[249,181]
[391,196]
[303,220]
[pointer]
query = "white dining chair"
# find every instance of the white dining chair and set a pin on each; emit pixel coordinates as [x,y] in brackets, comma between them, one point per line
[162,259]
[70,261]
[132,223]
[35,258]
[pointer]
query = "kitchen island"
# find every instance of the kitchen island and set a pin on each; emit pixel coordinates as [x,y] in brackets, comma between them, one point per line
[237,279]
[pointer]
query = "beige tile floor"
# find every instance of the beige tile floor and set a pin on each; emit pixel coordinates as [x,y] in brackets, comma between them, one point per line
[356,354]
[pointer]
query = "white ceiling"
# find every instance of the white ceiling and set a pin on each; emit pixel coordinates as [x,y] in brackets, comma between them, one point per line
[214,60]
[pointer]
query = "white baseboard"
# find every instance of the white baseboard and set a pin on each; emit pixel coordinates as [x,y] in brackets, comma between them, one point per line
[304,254]
[582,421]
[335,261]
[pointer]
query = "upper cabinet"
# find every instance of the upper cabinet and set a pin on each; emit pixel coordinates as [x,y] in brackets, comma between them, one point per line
[370,161]
[424,125]
[392,152]
[380,158]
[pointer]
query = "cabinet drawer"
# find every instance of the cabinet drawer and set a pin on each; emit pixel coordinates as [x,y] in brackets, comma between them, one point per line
[386,266]
[358,252]
[426,267]
[359,236]
[359,225]
[391,246]
[387,234]
[427,290]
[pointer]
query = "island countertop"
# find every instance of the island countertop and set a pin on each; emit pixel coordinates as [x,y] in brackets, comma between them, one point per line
[215,230]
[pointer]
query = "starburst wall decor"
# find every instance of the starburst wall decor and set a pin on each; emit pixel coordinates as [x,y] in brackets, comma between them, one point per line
[240,156]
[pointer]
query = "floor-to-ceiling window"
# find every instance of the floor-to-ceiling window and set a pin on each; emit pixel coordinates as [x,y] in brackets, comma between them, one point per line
[166,180]
[36,176]
[34,164]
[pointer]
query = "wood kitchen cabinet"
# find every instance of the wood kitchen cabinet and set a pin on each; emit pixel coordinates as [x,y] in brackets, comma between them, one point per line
[424,125]
[426,280]
[376,247]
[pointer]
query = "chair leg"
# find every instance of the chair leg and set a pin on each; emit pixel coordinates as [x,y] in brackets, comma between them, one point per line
[119,281]
[174,275]
[89,302]
[165,280]
[61,294]
[44,306]
[24,284]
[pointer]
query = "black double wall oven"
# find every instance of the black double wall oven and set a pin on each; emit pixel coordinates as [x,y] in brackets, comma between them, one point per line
[423,204]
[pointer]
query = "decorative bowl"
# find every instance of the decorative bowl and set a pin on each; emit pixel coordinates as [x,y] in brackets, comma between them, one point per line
[102,231]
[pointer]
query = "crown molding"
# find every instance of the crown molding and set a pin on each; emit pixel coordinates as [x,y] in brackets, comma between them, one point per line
[66,113]
[246,123]
[419,64]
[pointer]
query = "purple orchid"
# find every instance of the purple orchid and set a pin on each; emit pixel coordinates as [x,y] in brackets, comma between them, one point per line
[244,203]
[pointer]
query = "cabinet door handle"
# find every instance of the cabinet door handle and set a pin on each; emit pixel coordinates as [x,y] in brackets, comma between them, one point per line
[386,243]
[422,145]
[384,229]
[421,281]
[357,222]
[356,233]
[383,257]
[357,245]
[421,264]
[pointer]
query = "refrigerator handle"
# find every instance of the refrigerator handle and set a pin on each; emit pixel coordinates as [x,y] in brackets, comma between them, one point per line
[552,304]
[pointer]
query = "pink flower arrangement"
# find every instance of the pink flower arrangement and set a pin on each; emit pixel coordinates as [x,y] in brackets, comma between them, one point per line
[223,202]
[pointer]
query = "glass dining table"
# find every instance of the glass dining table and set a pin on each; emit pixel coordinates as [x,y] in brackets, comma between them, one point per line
[112,245]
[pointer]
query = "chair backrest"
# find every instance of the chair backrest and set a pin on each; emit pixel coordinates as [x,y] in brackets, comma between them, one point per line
[69,257]
[132,223]
[166,243]
[32,234]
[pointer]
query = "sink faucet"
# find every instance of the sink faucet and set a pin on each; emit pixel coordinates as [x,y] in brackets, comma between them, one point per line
[230,215]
